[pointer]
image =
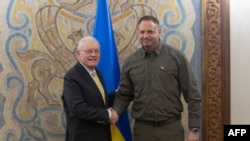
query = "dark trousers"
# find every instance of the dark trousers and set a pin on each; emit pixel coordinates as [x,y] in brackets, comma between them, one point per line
[166,132]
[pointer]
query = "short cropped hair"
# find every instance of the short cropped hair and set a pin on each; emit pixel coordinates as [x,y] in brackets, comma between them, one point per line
[149,18]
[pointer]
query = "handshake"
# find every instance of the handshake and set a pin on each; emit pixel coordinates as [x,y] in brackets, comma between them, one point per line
[114,116]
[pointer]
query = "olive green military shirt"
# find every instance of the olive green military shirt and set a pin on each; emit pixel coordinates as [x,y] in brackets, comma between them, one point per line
[155,82]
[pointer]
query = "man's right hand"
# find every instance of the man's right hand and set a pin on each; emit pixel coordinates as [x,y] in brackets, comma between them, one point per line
[114,117]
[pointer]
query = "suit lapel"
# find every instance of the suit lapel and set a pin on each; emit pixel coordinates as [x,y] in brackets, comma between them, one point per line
[84,73]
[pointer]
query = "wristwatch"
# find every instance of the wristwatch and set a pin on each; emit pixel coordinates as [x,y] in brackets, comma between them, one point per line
[194,130]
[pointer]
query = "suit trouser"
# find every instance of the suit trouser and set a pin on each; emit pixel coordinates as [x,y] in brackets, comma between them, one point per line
[167,132]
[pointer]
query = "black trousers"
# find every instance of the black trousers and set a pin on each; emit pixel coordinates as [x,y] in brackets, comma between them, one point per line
[166,132]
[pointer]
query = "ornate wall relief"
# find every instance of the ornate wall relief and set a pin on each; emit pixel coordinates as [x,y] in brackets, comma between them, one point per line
[216,68]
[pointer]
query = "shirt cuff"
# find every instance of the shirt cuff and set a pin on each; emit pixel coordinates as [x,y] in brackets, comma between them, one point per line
[110,113]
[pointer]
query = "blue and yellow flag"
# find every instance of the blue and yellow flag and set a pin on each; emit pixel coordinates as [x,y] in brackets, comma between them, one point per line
[109,65]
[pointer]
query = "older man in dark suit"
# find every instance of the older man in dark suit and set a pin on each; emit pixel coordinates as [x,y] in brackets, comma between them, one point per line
[85,101]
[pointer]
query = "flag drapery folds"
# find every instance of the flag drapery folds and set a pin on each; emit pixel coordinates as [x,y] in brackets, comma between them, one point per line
[109,65]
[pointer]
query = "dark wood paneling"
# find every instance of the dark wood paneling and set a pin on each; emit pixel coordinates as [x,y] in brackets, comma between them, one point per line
[215,68]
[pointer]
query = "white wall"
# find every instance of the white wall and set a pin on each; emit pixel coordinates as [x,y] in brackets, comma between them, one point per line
[240,61]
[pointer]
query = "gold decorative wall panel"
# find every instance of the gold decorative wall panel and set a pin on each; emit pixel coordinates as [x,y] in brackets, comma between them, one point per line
[216,68]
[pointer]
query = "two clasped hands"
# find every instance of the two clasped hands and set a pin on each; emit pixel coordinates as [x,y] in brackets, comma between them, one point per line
[114,116]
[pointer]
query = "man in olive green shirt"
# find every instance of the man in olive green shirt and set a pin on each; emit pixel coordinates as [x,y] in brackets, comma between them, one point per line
[154,77]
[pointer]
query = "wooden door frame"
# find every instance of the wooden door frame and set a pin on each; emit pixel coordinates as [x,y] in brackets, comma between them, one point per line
[215,68]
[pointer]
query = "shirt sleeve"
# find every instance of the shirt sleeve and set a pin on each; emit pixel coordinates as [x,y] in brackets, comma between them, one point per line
[189,88]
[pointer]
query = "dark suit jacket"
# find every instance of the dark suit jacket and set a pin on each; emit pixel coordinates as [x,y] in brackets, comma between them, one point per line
[86,115]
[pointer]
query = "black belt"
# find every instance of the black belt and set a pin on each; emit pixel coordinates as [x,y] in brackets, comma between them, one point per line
[160,123]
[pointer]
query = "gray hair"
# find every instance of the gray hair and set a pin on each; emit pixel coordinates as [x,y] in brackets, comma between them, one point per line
[86,39]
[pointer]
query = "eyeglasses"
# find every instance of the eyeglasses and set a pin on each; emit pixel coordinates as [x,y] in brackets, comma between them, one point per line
[91,51]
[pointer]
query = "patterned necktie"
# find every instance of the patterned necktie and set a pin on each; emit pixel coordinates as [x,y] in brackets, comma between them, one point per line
[99,85]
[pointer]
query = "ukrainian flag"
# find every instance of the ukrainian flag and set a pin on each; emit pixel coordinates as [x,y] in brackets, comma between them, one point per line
[109,65]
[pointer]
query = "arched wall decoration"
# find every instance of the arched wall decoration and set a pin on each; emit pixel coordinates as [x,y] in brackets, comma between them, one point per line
[215,68]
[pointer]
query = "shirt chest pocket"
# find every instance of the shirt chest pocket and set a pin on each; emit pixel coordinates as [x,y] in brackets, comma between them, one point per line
[137,75]
[163,72]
